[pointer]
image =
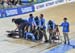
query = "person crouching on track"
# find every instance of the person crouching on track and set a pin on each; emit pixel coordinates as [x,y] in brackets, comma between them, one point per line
[29,35]
[21,24]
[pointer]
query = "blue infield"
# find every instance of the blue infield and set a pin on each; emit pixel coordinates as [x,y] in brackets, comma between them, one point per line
[63,48]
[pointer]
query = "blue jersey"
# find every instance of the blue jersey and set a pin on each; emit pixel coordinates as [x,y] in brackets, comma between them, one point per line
[31,19]
[51,25]
[65,26]
[42,23]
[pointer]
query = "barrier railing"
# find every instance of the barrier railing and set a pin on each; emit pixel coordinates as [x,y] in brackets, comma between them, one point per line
[24,10]
[48,4]
[16,11]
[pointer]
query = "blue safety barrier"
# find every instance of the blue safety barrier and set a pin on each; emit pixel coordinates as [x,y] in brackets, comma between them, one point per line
[16,11]
[1,16]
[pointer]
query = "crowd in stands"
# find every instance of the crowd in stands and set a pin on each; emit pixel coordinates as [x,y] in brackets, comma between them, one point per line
[9,3]
[17,3]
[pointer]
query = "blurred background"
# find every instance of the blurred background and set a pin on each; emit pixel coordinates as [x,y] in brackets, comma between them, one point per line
[4,4]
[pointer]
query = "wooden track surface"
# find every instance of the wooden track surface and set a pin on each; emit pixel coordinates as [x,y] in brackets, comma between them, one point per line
[56,13]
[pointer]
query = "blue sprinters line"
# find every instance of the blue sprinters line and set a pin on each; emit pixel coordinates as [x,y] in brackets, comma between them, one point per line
[63,48]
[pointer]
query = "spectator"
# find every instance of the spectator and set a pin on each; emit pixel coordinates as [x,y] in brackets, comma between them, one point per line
[5,4]
[18,4]
[1,4]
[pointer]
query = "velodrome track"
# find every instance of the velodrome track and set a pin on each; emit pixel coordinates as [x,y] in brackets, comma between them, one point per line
[8,45]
